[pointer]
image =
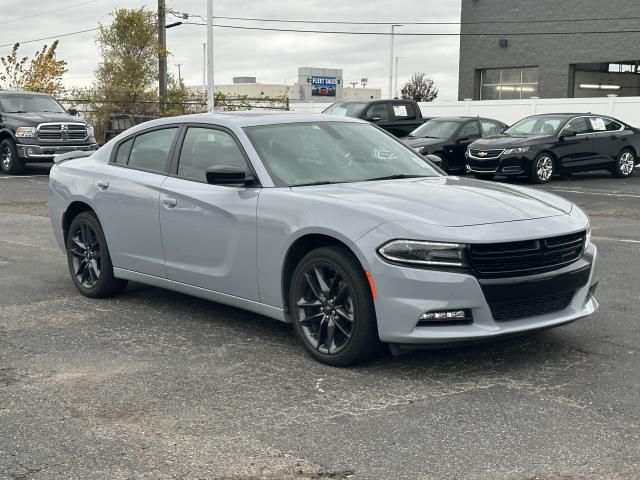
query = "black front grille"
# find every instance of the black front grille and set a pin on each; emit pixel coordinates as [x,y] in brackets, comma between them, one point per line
[531,307]
[62,132]
[479,153]
[526,257]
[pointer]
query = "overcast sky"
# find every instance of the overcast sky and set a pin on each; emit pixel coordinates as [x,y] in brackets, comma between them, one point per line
[273,57]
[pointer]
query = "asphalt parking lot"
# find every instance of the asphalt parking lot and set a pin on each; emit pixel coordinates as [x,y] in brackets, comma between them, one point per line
[158,385]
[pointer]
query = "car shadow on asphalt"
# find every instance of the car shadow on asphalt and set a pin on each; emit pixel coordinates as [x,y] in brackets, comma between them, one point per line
[531,352]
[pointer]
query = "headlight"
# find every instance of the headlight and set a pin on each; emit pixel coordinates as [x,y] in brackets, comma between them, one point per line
[90,131]
[416,252]
[25,132]
[509,151]
[587,238]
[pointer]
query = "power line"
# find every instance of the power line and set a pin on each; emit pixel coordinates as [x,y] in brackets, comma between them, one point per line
[51,38]
[69,7]
[415,34]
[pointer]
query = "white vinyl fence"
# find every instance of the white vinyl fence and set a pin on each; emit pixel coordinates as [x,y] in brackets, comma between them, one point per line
[626,109]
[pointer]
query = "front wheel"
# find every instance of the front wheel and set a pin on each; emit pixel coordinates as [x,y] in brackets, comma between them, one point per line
[89,260]
[625,164]
[542,168]
[9,161]
[332,308]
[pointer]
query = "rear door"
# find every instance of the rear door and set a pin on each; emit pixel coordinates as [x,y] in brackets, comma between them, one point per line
[128,193]
[209,231]
[609,139]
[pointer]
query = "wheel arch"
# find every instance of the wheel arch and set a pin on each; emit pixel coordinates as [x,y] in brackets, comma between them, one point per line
[72,211]
[299,248]
[7,135]
[628,147]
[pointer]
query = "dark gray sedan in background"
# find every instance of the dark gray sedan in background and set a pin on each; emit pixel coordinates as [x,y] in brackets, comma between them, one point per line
[328,223]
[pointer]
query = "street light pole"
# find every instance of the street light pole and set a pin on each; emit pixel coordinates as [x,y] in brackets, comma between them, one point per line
[395,88]
[210,85]
[393,32]
[180,72]
[162,57]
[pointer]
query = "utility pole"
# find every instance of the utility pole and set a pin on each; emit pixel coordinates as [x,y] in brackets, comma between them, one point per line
[395,88]
[162,56]
[204,67]
[210,86]
[180,73]
[393,32]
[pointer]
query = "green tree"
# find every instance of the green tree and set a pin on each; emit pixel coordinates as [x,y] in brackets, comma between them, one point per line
[420,88]
[129,47]
[42,74]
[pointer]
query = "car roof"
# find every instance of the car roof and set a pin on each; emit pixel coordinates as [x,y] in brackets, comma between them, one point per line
[18,92]
[248,119]
[463,118]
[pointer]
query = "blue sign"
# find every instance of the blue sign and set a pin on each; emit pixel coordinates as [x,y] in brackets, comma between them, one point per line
[323,86]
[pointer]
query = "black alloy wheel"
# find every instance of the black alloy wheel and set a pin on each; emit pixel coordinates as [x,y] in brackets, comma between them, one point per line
[332,308]
[88,258]
[625,164]
[9,161]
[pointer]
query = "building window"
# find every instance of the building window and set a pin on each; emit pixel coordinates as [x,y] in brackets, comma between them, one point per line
[508,83]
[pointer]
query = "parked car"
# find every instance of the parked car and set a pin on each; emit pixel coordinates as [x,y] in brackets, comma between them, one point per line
[541,146]
[398,117]
[328,223]
[119,122]
[449,137]
[34,127]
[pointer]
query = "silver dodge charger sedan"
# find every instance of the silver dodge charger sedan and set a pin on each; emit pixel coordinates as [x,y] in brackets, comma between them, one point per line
[328,223]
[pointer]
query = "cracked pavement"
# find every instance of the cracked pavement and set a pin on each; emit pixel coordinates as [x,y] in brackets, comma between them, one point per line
[159,385]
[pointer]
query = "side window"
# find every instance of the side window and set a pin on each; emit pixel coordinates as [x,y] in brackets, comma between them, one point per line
[470,130]
[579,125]
[404,111]
[378,110]
[205,147]
[611,125]
[151,150]
[489,128]
[122,157]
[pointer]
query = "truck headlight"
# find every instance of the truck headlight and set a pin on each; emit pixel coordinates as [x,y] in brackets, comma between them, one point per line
[417,252]
[90,131]
[22,132]
[510,151]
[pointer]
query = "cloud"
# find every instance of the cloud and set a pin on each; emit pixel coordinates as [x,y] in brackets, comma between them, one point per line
[273,57]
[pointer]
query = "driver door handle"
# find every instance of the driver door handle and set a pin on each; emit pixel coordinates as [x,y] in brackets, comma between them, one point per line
[102,184]
[170,202]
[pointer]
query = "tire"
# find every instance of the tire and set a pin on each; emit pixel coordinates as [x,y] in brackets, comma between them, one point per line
[91,268]
[10,163]
[332,308]
[625,164]
[484,176]
[543,168]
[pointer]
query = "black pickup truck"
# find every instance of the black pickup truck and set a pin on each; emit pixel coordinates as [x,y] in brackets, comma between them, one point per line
[398,117]
[34,127]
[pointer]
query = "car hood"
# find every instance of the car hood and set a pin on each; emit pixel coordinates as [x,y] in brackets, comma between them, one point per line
[443,201]
[35,118]
[422,142]
[508,141]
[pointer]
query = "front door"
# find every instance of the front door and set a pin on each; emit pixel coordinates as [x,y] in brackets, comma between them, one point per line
[577,152]
[467,134]
[209,231]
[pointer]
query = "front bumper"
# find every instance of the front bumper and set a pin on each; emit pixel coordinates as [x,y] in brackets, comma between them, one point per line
[404,294]
[511,165]
[47,152]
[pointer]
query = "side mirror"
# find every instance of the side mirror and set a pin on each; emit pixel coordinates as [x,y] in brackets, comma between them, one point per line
[73,111]
[228,175]
[374,119]
[435,159]
[568,133]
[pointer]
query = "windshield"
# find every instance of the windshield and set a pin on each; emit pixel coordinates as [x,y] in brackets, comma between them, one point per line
[346,109]
[298,154]
[436,129]
[29,103]
[536,126]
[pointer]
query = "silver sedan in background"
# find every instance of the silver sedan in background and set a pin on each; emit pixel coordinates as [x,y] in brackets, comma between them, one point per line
[328,223]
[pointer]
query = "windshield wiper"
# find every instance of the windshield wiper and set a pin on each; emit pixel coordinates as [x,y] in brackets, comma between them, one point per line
[399,176]
[310,184]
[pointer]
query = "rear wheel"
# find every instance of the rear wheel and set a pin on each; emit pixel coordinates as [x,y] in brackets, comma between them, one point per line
[332,308]
[625,164]
[89,260]
[542,168]
[9,161]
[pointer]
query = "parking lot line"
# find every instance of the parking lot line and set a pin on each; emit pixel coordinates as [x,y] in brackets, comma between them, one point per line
[622,240]
[607,194]
[22,176]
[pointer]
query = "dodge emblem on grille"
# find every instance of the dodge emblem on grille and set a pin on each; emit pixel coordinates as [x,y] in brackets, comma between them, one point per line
[64,128]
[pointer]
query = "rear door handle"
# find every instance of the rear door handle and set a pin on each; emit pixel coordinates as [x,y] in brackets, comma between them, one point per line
[169,202]
[103,184]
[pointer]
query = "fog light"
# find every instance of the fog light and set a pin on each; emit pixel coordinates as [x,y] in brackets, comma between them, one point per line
[592,289]
[445,316]
[29,152]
